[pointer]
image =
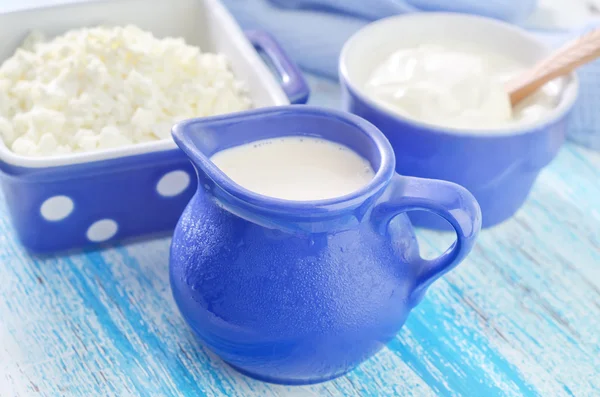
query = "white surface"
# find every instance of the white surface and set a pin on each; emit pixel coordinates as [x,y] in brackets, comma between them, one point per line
[56,208]
[296,168]
[413,29]
[203,23]
[102,230]
[173,183]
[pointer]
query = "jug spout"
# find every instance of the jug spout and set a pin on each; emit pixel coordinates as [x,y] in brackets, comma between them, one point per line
[201,138]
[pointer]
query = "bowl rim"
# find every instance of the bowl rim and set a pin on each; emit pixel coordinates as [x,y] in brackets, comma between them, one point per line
[227,23]
[571,88]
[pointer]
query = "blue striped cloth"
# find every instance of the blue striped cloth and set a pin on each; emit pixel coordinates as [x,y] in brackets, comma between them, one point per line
[508,10]
[314,31]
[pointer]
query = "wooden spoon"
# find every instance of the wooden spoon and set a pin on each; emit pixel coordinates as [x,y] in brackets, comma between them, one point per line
[569,57]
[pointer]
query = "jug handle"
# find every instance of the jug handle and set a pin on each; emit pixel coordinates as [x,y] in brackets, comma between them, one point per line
[452,202]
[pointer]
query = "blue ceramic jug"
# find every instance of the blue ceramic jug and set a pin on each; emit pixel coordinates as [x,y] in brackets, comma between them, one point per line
[299,292]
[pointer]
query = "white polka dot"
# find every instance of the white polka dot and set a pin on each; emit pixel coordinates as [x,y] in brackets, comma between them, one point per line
[173,183]
[102,230]
[56,208]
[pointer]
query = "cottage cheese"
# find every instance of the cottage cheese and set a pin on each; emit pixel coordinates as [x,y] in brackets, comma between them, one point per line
[100,88]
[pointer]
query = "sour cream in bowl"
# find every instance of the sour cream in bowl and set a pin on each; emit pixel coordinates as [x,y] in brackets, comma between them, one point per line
[434,83]
[454,85]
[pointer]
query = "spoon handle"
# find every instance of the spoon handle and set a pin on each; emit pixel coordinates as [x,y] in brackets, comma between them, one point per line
[569,57]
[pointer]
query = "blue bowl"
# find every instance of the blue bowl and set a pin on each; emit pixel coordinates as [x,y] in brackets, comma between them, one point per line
[498,166]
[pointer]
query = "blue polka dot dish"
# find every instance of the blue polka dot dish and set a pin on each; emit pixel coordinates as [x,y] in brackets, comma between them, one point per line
[81,200]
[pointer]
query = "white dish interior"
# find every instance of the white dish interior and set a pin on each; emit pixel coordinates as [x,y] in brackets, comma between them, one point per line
[203,23]
[382,38]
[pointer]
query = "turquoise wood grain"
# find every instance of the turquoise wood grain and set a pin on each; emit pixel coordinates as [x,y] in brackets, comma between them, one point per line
[520,317]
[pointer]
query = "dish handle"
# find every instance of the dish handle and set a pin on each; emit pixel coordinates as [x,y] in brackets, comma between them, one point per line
[291,78]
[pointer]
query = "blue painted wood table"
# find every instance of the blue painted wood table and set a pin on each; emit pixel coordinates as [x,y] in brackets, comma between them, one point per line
[521,316]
